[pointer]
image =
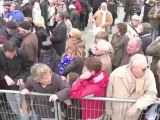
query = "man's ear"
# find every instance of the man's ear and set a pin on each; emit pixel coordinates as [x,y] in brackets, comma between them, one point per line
[93,72]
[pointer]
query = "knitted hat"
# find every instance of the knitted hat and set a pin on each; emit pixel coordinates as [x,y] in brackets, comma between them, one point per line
[11,25]
[103,45]
[6,3]
[25,25]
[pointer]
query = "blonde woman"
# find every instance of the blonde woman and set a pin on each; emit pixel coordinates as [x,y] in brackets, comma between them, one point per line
[41,32]
[43,80]
[72,60]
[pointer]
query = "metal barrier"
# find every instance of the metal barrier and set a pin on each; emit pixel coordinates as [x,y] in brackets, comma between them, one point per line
[36,106]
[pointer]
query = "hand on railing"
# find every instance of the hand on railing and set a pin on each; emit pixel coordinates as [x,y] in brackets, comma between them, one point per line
[25,92]
[53,98]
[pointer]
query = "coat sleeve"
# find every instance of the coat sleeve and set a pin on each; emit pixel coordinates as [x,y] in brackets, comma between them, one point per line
[153,49]
[82,88]
[149,96]
[109,94]
[63,93]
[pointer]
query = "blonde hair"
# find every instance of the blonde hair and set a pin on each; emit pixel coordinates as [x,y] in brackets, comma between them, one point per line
[78,52]
[39,22]
[76,33]
[39,70]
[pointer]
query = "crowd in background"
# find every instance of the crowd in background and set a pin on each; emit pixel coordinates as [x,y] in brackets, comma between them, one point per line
[42,50]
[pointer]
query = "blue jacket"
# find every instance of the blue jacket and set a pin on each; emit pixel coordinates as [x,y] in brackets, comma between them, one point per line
[16,15]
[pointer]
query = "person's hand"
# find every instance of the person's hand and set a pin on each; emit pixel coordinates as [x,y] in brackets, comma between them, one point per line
[25,92]
[85,75]
[63,78]
[155,15]
[9,80]
[132,111]
[67,102]
[53,98]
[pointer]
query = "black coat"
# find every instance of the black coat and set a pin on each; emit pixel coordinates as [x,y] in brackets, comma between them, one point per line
[27,10]
[74,18]
[147,8]
[85,6]
[41,34]
[76,67]
[146,40]
[14,37]
[59,36]
[15,68]
[52,58]
[44,11]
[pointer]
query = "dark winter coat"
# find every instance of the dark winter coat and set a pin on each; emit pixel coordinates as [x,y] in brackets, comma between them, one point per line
[44,11]
[147,8]
[85,6]
[15,68]
[76,66]
[14,37]
[74,18]
[58,39]
[51,58]
[27,10]
[41,34]
[41,104]
[146,40]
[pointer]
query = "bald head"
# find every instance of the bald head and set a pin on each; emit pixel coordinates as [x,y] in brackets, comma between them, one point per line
[134,45]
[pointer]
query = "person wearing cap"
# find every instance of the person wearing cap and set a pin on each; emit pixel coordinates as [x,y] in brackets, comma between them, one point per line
[49,56]
[29,42]
[101,51]
[10,32]
[154,19]
[15,13]
[74,17]
[134,46]
[134,81]
[133,29]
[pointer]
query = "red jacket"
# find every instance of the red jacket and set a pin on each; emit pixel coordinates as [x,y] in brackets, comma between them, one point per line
[94,86]
[78,7]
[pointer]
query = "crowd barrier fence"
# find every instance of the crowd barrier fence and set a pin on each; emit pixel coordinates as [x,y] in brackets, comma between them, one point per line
[36,106]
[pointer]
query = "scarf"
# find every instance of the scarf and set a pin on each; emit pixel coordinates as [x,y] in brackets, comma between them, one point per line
[139,83]
[104,13]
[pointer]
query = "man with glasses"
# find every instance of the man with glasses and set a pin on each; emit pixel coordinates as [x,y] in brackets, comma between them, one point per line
[133,81]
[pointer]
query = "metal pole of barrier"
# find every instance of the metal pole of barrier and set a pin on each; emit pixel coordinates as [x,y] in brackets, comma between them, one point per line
[59,110]
[56,110]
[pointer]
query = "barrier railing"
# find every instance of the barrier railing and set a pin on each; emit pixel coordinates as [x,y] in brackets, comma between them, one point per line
[36,106]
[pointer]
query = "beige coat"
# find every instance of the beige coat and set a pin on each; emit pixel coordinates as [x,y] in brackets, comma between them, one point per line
[98,18]
[118,88]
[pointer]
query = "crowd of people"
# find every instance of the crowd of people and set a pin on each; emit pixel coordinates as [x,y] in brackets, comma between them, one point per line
[42,50]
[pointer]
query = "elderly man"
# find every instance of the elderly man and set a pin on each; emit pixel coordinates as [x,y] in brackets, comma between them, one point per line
[133,47]
[133,28]
[135,82]
[102,19]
